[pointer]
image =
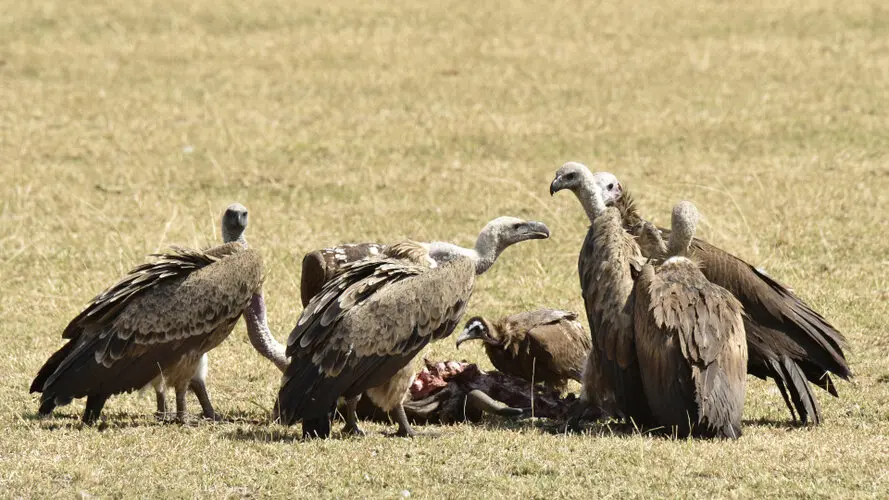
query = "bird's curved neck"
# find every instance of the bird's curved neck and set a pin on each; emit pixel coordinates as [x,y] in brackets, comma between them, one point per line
[487,250]
[260,336]
[441,252]
[590,196]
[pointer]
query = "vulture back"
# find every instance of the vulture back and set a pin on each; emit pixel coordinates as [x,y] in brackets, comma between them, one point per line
[692,350]
[185,303]
[365,325]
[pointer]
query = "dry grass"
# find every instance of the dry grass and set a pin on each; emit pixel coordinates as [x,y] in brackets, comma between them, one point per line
[126,126]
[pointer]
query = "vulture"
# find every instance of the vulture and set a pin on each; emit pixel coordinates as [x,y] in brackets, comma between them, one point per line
[546,345]
[157,323]
[368,322]
[689,341]
[608,260]
[787,340]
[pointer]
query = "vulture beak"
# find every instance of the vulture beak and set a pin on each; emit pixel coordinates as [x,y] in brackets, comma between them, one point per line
[555,186]
[471,332]
[533,230]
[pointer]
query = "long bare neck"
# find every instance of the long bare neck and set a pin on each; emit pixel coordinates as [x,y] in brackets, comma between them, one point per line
[590,197]
[487,250]
[229,236]
[681,234]
[260,336]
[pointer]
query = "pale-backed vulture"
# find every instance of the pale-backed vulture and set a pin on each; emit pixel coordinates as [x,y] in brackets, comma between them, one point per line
[690,341]
[608,258]
[546,345]
[369,322]
[158,321]
[787,340]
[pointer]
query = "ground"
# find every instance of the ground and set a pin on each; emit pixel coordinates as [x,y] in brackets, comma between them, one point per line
[129,126]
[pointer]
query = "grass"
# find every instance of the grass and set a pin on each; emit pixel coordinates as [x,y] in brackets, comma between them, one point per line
[128,126]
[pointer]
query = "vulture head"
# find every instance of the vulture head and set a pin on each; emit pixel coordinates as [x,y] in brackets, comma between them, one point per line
[501,233]
[683,224]
[234,223]
[578,178]
[478,328]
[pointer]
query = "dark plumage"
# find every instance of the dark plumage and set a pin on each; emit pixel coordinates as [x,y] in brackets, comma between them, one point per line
[545,345]
[690,342]
[608,259]
[158,320]
[368,322]
[787,340]
[169,313]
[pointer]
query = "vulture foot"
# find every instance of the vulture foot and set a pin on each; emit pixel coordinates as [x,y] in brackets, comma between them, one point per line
[353,430]
[404,427]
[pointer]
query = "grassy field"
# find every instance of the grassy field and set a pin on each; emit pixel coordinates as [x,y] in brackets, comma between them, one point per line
[128,126]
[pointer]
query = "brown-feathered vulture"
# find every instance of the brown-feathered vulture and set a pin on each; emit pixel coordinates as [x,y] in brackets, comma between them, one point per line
[158,321]
[690,341]
[787,340]
[320,266]
[608,258]
[369,322]
[546,345]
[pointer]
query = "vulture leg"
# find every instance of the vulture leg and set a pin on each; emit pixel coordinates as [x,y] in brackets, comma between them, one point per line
[351,428]
[181,412]
[161,397]
[199,388]
[404,427]
[94,404]
[46,407]
[316,428]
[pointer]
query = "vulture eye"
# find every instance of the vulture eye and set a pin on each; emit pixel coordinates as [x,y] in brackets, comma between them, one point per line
[570,175]
[610,186]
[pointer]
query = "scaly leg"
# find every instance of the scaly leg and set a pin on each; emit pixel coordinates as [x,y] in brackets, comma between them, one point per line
[351,426]
[181,412]
[200,390]
[94,404]
[404,427]
[161,397]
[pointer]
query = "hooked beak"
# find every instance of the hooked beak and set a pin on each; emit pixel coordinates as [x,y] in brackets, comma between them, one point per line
[534,230]
[555,186]
[470,333]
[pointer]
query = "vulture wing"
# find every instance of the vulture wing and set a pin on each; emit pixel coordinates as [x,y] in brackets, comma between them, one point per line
[559,340]
[787,340]
[365,325]
[608,259]
[185,301]
[692,349]
[321,265]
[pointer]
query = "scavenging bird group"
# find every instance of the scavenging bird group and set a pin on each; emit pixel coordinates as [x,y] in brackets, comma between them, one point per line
[675,325]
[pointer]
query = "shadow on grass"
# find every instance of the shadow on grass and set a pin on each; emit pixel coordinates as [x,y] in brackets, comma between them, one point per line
[124,420]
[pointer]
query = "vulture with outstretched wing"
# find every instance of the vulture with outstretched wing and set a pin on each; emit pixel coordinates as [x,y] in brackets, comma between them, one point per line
[787,340]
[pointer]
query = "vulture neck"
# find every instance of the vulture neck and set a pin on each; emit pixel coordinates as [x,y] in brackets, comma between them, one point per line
[680,239]
[440,252]
[229,236]
[590,197]
[260,335]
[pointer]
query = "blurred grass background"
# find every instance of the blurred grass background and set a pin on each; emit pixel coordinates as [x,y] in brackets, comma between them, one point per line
[126,127]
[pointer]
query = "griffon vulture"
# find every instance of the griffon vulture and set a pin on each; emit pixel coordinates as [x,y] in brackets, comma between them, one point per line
[158,321]
[546,345]
[787,340]
[690,341]
[369,322]
[608,258]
